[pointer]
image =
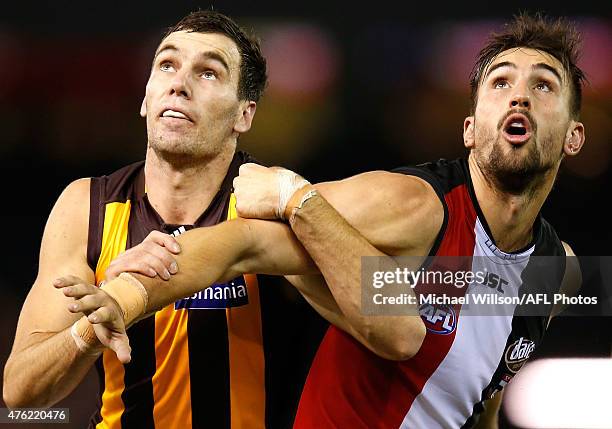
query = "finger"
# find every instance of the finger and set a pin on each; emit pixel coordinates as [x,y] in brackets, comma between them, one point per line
[67,281]
[78,291]
[102,315]
[156,264]
[89,303]
[164,256]
[243,169]
[122,349]
[133,263]
[240,208]
[236,183]
[249,167]
[165,240]
[111,274]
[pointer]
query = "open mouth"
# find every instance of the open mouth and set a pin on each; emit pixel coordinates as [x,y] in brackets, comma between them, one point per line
[175,114]
[517,128]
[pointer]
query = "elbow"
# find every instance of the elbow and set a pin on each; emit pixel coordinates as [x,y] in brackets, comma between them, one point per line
[11,397]
[19,398]
[14,398]
[15,392]
[10,392]
[406,347]
[402,343]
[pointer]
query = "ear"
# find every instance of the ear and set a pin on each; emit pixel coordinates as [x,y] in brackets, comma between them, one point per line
[468,132]
[243,124]
[143,107]
[574,139]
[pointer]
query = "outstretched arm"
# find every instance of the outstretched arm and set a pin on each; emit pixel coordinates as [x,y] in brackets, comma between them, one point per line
[372,214]
[400,215]
[208,255]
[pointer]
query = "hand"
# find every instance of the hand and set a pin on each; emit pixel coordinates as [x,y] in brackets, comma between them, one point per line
[153,257]
[263,192]
[101,310]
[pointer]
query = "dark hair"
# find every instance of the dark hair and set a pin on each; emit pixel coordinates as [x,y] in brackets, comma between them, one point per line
[556,37]
[253,78]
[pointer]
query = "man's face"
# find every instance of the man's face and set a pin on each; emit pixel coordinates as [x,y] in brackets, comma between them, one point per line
[522,118]
[191,103]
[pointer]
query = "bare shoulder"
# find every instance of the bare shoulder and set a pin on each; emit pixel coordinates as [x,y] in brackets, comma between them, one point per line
[76,193]
[572,278]
[70,214]
[67,228]
[568,249]
[397,212]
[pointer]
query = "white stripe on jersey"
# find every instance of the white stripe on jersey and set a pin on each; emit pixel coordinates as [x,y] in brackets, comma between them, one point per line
[448,397]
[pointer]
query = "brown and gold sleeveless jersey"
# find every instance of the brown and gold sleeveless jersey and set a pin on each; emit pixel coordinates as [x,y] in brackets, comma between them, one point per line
[199,362]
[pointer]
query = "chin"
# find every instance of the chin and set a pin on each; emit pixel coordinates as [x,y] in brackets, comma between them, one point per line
[513,169]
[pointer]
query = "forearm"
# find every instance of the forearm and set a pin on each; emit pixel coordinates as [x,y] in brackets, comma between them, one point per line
[337,248]
[46,372]
[317,294]
[315,291]
[208,255]
[489,419]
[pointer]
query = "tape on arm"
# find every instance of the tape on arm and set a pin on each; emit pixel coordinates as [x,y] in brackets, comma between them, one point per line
[297,200]
[130,294]
[85,338]
[294,191]
[132,298]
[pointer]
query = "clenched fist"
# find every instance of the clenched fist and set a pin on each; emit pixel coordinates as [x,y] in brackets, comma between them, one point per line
[263,193]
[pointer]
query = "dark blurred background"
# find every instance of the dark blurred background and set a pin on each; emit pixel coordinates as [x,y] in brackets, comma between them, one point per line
[352,88]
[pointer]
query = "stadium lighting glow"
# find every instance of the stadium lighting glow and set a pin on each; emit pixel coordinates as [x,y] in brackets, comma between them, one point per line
[561,393]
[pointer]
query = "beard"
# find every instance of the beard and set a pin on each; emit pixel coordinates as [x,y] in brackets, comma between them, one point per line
[515,173]
[183,149]
[178,152]
[519,169]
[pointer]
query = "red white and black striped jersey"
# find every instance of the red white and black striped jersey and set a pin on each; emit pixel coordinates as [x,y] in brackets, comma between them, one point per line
[464,359]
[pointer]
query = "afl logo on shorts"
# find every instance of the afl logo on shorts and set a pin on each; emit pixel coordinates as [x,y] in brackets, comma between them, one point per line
[439,319]
[518,352]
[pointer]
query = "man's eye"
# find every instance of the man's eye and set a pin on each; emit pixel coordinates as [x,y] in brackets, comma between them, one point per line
[543,86]
[500,83]
[209,75]
[165,67]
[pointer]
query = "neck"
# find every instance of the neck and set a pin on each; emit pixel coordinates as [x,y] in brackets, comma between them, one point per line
[179,193]
[510,217]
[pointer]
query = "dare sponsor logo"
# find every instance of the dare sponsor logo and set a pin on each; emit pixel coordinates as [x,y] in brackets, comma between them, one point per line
[219,295]
[518,352]
[439,319]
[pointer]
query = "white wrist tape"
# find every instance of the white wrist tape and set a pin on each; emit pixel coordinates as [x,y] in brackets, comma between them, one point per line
[288,183]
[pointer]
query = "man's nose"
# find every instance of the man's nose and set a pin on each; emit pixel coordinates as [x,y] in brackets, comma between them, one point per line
[520,99]
[180,85]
